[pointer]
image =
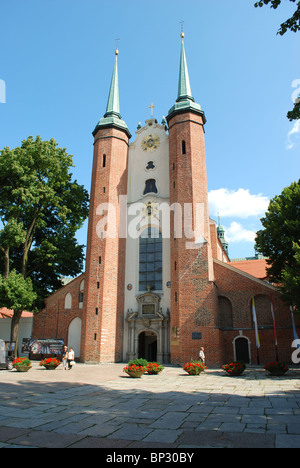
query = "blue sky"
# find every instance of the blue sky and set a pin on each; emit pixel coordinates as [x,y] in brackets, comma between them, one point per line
[56,60]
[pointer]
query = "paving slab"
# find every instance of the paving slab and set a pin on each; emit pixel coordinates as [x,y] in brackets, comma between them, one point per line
[100,407]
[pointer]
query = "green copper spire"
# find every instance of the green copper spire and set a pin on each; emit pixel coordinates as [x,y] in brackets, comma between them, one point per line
[112,116]
[113,103]
[184,87]
[185,101]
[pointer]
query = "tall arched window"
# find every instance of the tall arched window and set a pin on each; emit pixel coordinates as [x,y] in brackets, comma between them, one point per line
[150,186]
[150,260]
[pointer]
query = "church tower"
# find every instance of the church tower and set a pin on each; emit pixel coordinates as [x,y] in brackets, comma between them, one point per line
[102,337]
[193,297]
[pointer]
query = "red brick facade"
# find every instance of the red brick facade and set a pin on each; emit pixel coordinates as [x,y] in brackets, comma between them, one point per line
[55,319]
[102,337]
[210,303]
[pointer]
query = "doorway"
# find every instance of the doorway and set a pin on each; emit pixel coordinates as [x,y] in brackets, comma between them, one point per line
[148,346]
[242,350]
[74,336]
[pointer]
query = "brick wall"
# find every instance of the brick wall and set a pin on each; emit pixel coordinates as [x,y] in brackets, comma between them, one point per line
[54,320]
[102,337]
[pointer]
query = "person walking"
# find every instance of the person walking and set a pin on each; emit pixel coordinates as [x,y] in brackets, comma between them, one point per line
[202,355]
[65,357]
[71,357]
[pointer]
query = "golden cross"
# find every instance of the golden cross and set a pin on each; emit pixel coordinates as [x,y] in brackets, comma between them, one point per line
[151,107]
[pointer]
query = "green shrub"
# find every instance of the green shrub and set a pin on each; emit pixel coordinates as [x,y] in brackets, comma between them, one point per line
[138,362]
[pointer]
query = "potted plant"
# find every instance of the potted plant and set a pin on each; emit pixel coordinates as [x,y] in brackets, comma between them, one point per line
[154,368]
[50,363]
[135,371]
[234,368]
[276,368]
[22,364]
[194,368]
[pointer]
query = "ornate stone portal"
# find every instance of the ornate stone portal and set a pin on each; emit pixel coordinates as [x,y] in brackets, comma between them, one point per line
[148,330]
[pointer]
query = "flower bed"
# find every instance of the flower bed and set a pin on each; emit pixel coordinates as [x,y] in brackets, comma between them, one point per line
[50,363]
[135,371]
[234,368]
[194,368]
[276,368]
[154,368]
[22,364]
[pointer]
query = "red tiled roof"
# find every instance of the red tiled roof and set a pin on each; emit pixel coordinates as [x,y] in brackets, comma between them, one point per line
[255,268]
[6,313]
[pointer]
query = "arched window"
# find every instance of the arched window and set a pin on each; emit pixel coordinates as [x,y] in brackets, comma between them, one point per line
[81,291]
[150,260]
[150,186]
[225,316]
[68,301]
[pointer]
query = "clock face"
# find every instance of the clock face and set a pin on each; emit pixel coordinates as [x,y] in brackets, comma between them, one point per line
[150,143]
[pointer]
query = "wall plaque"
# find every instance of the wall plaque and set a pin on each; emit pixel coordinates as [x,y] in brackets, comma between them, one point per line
[196,335]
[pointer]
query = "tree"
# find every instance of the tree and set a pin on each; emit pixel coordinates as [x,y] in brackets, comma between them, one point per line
[292,24]
[41,208]
[295,113]
[279,241]
[16,293]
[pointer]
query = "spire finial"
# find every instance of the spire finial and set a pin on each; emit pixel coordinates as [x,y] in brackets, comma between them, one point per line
[117,51]
[182,33]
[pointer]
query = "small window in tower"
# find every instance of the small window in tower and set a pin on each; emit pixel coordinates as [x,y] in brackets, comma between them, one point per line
[104,160]
[100,260]
[176,297]
[150,186]
[150,165]
[183,147]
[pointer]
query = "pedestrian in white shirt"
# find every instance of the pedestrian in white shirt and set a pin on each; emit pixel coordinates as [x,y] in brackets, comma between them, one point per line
[71,357]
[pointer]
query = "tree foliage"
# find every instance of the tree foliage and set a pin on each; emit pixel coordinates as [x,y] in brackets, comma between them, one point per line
[41,209]
[291,24]
[16,293]
[295,113]
[279,241]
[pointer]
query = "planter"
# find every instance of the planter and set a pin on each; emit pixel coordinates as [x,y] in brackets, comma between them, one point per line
[50,363]
[276,369]
[194,368]
[154,368]
[135,375]
[50,367]
[135,372]
[22,368]
[234,369]
[21,364]
[235,373]
[196,372]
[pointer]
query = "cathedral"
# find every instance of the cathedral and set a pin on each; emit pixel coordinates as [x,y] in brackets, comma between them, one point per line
[158,281]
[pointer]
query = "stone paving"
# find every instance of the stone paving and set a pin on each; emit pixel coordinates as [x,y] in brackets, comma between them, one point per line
[101,407]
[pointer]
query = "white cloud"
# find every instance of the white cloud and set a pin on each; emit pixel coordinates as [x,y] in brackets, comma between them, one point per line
[237,233]
[293,135]
[237,203]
